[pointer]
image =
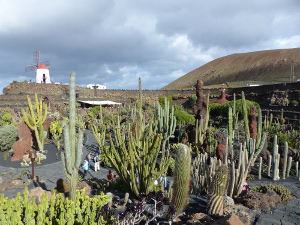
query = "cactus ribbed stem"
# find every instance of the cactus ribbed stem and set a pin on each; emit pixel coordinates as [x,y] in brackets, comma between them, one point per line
[181,178]
[71,157]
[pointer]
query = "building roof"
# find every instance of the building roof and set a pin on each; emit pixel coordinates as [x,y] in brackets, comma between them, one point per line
[101,102]
[42,66]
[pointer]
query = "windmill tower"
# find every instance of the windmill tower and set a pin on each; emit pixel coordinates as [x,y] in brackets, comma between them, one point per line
[42,69]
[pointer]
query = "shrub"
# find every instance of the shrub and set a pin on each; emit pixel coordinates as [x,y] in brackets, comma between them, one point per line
[217,109]
[183,117]
[192,100]
[6,119]
[294,102]
[162,99]
[8,136]
[282,191]
[281,139]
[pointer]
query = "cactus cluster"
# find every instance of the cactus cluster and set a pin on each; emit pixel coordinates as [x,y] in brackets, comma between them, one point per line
[54,210]
[218,190]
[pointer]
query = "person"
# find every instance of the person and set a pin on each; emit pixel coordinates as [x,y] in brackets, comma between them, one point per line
[85,167]
[89,159]
[110,175]
[97,163]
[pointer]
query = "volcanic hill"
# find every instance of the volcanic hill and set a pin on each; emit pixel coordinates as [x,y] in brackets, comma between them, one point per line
[261,67]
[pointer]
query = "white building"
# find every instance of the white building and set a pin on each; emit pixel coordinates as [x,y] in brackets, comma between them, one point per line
[43,75]
[98,86]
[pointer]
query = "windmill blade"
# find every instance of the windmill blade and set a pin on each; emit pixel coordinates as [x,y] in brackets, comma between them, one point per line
[46,63]
[30,68]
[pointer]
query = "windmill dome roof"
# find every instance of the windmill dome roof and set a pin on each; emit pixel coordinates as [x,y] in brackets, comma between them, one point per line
[42,66]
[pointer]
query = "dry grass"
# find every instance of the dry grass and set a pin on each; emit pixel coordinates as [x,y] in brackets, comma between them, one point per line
[271,66]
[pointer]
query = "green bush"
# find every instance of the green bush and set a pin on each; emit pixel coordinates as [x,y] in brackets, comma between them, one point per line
[8,136]
[183,117]
[192,100]
[6,119]
[281,139]
[217,109]
[294,103]
[162,99]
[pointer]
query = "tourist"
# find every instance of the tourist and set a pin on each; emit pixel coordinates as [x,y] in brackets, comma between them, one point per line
[89,159]
[110,176]
[97,163]
[85,167]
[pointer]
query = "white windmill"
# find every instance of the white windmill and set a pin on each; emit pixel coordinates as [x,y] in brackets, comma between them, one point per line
[42,69]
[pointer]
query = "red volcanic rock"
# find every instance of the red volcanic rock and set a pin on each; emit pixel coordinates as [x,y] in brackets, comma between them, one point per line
[222,98]
[24,144]
[221,148]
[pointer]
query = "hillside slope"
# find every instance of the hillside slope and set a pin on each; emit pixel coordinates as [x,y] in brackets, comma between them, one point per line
[270,66]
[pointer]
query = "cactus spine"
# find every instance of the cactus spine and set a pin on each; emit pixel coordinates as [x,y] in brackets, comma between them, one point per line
[72,156]
[181,178]
[35,119]
[218,191]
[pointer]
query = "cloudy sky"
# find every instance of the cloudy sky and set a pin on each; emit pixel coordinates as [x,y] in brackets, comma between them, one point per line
[114,42]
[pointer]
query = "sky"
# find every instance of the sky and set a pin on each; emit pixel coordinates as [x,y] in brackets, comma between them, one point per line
[114,42]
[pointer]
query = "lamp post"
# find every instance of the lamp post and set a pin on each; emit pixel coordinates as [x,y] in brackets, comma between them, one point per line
[32,156]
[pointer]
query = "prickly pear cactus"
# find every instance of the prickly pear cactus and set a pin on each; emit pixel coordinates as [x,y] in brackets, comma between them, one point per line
[218,191]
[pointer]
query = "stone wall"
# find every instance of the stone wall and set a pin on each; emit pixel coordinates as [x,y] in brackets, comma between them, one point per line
[16,92]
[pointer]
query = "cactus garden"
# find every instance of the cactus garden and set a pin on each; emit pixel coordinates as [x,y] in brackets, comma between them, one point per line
[201,162]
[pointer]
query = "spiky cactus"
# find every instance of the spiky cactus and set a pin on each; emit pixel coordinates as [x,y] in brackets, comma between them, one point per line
[166,121]
[71,157]
[35,119]
[181,178]
[218,191]
[133,152]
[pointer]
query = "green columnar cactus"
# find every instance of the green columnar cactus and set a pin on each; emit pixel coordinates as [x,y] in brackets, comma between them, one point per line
[166,120]
[230,132]
[275,162]
[242,171]
[201,127]
[260,168]
[181,178]
[71,157]
[269,165]
[259,129]
[285,160]
[35,119]
[245,116]
[218,191]
[290,160]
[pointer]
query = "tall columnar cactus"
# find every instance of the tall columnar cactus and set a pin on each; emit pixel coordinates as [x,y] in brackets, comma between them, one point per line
[245,116]
[201,127]
[71,157]
[276,158]
[35,119]
[285,160]
[218,191]
[181,178]
[166,121]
